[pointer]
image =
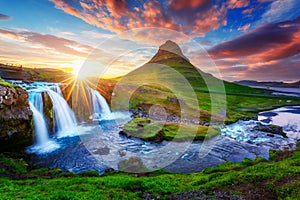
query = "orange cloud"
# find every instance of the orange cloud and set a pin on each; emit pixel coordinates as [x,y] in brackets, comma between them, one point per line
[115,15]
[244,28]
[49,41]
[238,3]
[248,11]
[211,21]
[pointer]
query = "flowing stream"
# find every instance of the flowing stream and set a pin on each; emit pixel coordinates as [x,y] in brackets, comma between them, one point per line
[73,146]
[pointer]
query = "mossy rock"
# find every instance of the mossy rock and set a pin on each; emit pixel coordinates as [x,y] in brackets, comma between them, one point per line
[132,165]
[155,131]
[270,129]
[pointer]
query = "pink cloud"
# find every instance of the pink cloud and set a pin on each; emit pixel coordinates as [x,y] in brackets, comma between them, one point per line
[115,15]
[49,41]
[187,4]
[248,11]
[238,3]
[244,28]
[268,52]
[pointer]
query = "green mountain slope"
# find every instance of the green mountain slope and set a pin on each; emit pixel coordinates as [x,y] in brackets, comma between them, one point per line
[170,54]
[156,80]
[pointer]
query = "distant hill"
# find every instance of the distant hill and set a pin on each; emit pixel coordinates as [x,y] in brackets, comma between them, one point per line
[268,84]
[32,74]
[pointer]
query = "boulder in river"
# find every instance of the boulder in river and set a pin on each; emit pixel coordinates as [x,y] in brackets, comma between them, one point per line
[270,129]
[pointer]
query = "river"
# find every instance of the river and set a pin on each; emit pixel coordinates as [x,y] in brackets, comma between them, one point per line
[99,146]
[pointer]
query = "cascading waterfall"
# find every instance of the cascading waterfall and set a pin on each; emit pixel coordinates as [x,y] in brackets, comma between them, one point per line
[43,143]
[40,127]
[63,115]
[35,98]
[64,119]
[56,89]
[100,106]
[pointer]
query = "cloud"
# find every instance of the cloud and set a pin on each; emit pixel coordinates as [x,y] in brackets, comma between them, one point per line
[270,52]
[268,42]
[195,18]
[248,11]
[279,10]
[237,3]
[49,41]
[30,55]
[9,34]
[244,28]
[4,17]
[187,4]
[284,70]
[264,1]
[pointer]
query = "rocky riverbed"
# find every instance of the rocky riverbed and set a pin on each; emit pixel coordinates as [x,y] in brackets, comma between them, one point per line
[101,147]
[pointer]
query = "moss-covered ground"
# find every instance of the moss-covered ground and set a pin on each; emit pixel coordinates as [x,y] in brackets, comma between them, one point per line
[278,178]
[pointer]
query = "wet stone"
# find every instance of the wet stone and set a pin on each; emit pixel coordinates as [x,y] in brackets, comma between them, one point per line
[102,151]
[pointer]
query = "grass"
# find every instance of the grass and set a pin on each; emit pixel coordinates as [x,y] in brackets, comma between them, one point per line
[196,94]
[250,179]
[236,106]
[6,84]
[178,79]
[257,179]
[150,130]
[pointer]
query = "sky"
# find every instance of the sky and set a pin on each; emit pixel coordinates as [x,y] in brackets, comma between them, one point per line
[241,39]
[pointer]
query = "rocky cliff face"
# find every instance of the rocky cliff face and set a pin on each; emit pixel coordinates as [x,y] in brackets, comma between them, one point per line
[169,51]
[15,119]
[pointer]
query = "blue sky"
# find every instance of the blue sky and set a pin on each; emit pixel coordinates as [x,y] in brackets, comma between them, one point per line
[256,39]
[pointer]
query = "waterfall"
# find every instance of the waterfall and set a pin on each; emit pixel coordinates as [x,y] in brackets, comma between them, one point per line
[36,99]
[63,115]
[43,143]
[100,106]
[40,126]
[64,120]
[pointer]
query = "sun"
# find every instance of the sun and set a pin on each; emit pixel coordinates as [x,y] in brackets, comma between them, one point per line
[77,64]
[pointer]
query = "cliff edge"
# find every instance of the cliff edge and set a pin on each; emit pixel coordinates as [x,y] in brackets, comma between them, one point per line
[15,118]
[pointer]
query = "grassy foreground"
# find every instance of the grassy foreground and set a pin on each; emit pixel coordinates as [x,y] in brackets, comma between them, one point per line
[257,179]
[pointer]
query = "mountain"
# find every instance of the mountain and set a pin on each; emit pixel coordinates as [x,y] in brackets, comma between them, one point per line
[154,82]
[170,54]
[268,84]
[168,50]
[168,79]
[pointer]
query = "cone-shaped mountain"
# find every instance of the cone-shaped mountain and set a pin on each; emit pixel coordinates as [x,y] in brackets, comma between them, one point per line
[170,54]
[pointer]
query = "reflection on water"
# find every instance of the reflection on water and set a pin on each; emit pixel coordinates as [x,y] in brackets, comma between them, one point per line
[287,117]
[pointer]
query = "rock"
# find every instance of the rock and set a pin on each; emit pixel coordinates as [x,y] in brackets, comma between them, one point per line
[122,152]
[132,165]
[102,151]
[15,119]
[124,134]
[270,129]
